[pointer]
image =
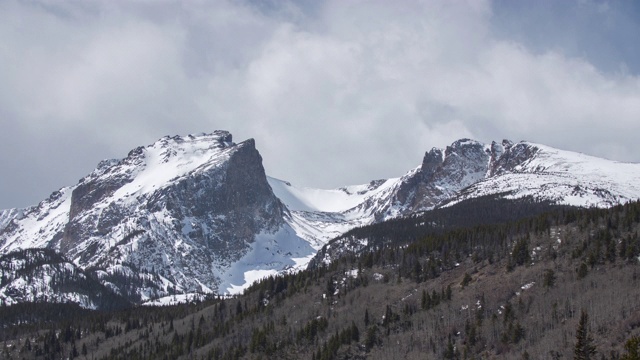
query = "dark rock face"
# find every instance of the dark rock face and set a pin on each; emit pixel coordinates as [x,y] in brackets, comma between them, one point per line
[206,217]
[462,164]
[511,157]
[431,163]
[246,194]
[195,213]
[85,196]
[235,199]
[92,189]
[465,163]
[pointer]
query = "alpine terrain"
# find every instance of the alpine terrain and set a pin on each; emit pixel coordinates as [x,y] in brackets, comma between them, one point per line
[194,215]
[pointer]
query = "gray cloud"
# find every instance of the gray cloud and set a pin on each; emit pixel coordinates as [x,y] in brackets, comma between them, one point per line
[334,92]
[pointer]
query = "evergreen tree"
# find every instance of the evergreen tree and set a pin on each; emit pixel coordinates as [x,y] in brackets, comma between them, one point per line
[632,348]
[355,332]
[549,278]
[520,253]
[582,271]
[584,348]
[387,317]
[238,308]
[466,279]
[450,352]
[371,338]
[366,317]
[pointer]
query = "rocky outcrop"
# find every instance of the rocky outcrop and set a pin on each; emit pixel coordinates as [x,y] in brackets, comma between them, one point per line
[181,210]
[508,156]
[442,174]
[197,213]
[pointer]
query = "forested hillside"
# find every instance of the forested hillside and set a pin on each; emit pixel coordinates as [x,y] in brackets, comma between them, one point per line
[551,286]
[484,210]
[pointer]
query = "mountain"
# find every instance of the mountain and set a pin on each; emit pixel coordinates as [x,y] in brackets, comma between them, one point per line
[43,275]
[561,176]
[185,214]
[197,214]
[509,290]
[466,169]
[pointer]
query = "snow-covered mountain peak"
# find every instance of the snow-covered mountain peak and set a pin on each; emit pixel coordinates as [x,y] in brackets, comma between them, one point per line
[565,177]
[466,148]
[186,210]
[193,143]
[149,168]
[530,157]
[197,213]
[461,143]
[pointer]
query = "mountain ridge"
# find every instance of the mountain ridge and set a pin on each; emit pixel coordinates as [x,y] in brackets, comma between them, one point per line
[502,290]
[200,214]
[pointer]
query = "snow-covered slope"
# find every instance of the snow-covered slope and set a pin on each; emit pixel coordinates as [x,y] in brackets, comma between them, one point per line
[569,178]
[320,200]
[319,215]
[42,275]
[469,169]
[185,214]
[197,214]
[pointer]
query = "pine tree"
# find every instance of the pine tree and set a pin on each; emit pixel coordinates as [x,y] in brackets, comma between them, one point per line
[549,278]
[632,348]
[366,317]
[582,271]
[371,338]
[387,317]
[466,279]
[584,349]
[355,332]
[238,308]
[450,352]
[520,253]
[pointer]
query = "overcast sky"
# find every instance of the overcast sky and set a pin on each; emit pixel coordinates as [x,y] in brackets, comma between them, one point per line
[334,92]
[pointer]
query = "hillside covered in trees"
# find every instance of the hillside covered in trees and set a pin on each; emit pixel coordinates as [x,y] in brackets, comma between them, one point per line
[561,284]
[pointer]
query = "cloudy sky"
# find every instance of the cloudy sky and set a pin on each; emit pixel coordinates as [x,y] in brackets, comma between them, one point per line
[334,92]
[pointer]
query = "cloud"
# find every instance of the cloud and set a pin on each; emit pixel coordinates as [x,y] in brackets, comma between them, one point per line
[333,92]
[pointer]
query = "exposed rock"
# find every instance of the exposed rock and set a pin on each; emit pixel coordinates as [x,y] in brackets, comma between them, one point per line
[198,214]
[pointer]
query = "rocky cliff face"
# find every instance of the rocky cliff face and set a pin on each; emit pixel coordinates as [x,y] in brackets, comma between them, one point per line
[198,214]
[227,191]
[469,169]
[182,210]
[442,174]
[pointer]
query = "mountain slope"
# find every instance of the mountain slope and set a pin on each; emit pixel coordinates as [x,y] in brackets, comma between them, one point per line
[527,169]
[42,275]
[197,214]
[465,170]
[504,291]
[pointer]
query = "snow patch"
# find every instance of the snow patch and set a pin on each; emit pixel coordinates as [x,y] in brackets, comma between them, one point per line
[269,254]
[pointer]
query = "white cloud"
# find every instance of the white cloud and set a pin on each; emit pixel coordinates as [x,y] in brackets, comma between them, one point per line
[342,93]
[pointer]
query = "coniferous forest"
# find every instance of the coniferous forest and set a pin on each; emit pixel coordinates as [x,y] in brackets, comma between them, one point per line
[489,280]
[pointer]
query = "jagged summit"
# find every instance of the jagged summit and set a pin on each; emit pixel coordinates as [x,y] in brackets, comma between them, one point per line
[167,160]
[565,177]
[179,215]
[197,213]
[465,169]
